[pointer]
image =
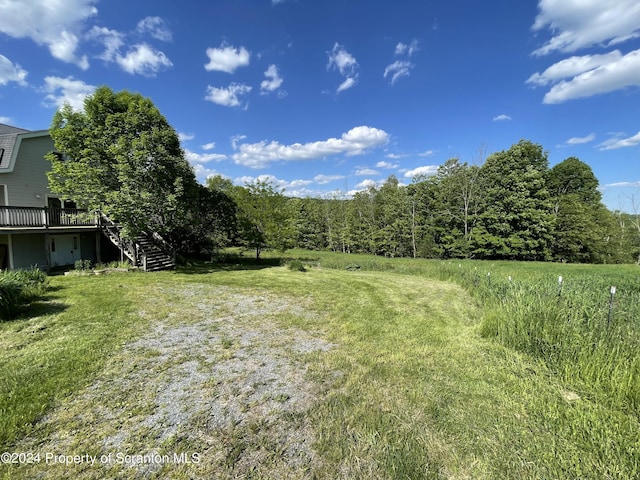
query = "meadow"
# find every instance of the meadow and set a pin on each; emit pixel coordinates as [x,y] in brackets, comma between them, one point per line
[435,369]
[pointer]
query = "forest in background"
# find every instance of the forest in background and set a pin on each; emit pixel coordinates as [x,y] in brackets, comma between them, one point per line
[512,207]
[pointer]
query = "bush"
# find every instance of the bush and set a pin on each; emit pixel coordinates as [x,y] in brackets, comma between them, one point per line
[296,266]
[18,288]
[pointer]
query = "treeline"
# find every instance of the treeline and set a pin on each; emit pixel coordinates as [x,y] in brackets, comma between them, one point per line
[512,207]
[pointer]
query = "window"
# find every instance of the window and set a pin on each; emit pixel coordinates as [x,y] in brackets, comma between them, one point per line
[53,245]
[1,154]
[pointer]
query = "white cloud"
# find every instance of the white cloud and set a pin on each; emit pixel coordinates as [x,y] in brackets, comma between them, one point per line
[324,179]
[354,142]
[55,24]
[112,40]
[227,97]
[623,185]
[227,58]
[580,140]
[11,72]
[209,146]
[183,137]
[273,81]
[402,49]
[502,117]
[573,66]
[196,158]
[576,25]
[427,153]
[614,143]
[202,172]
[606,78]
[363,172]
[156,27]
[388,165]
[398,69]
[422,171]
[66,90]
[365,184]
[6,120]
[287,185]
[235,139]
[580,24]
[346,64]
[143,60]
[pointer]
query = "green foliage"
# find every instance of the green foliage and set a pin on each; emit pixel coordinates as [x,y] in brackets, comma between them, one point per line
[297,266]
[18,288]
[83,265]
[121,157]
[264,217]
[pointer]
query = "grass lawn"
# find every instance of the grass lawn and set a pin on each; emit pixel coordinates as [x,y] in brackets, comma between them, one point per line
[264,372]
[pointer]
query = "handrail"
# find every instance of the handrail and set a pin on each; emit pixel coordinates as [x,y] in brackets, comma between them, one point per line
[11,216]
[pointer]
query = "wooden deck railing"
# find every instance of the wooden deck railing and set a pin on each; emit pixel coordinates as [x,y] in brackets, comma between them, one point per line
[43,217]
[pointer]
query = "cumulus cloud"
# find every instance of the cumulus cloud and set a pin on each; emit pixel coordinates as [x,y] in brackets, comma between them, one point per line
[324,179]
[183,137]
[143,60]
[501,118]
[286,185]
[606,77]
[615,143]
[354,142]
[11,72]
[273,81]
[227,58]
[421,171]
[140,59]
[66,90]
[365,184]
[209,146]
[346,64]
[587,24]
[577,25]
[229,96]
[398,69]
[56,25]
[156,27]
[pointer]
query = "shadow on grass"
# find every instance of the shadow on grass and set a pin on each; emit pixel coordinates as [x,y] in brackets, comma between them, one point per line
[230,263]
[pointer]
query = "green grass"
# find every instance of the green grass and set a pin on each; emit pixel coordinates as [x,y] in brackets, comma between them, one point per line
[429,378]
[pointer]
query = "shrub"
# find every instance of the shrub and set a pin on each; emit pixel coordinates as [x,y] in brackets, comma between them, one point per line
[296,266]
[18,288]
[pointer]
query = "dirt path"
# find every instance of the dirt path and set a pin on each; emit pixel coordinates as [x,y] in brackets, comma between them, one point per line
[217,388]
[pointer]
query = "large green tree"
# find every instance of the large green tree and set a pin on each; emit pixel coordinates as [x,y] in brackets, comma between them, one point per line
[119,155]
[265,218]
[515,220]
[582,223]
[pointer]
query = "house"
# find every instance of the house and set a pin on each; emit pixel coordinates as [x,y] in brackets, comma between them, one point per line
[38,228]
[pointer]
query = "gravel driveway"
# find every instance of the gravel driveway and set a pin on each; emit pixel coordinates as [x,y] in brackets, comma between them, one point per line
[218,387]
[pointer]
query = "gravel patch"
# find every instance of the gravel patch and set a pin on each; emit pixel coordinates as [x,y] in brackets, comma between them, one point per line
[216,376]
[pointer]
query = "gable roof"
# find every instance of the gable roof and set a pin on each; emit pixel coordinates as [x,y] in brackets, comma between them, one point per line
[7,129]
[10,139]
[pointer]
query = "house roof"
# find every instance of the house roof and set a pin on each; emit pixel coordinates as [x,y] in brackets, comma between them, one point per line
[10,138]
[8,129]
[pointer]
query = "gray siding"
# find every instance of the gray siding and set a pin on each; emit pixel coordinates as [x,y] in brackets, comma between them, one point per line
[29,177]
[29,250]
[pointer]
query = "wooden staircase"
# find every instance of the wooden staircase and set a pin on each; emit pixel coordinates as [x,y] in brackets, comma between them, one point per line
[147,251]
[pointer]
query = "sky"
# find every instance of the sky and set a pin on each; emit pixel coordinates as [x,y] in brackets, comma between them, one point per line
[328,97]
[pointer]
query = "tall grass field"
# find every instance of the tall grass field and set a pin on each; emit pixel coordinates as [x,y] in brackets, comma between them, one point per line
[438,369]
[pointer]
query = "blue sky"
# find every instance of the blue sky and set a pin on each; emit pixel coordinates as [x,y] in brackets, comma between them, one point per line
[336,95]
